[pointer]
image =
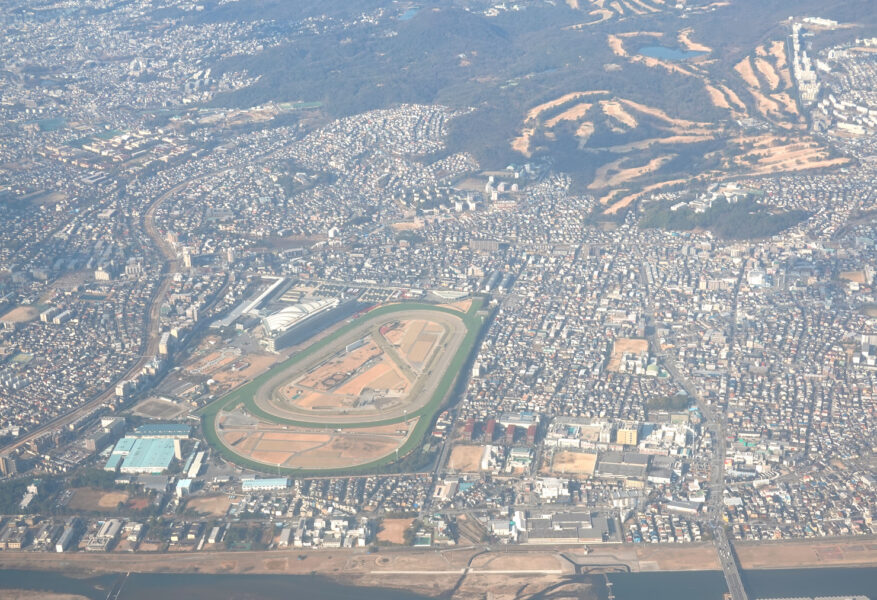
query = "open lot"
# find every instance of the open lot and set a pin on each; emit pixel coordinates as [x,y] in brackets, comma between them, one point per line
[790,555]
[688,557]
[159,408]
[244,369]
[417,341]
[362,379]
[214,506]
[624,346]
[393,530]
[213,361]
[466,459]
[20,314]
[328,375]
[567,462]
[310,448]
[382,368]
[91,499]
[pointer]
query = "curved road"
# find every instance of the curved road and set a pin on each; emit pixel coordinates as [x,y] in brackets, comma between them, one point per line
[150,342]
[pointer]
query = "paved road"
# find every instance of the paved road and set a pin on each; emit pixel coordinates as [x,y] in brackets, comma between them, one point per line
[715,423]
[151,334]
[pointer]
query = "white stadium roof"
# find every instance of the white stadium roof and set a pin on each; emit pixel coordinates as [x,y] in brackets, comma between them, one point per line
[285,318]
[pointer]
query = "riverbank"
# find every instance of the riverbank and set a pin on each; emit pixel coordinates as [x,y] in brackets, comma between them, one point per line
[510,572]
[812,553]
[38,595]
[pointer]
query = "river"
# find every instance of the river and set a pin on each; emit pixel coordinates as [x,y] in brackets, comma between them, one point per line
[685,585]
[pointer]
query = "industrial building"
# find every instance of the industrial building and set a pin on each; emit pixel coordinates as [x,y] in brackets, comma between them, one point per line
[178,431]
[262,485]
[143,455]
[623,465]
[571,527]
[69,535]
[110,429]
[196,464]
[184,488]
[105,536]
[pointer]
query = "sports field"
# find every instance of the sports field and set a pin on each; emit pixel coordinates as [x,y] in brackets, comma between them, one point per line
[466,459]
[20,314]
[567,462]
[353,400]
[214,506]
[393,530]
[93,499]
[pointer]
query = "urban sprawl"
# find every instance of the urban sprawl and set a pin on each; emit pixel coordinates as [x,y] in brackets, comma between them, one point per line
[629,385]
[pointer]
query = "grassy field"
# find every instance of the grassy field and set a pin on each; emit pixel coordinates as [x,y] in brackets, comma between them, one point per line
[244,394]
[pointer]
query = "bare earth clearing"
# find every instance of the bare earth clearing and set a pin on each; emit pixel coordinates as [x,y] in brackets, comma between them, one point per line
[90,499]
[393,530]
[466,459]
[215,506]
[567,462]
[310,448]
[20,314]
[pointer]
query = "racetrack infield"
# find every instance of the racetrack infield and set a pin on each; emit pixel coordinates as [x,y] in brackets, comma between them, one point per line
[230,422]
[386,378]
[290,447]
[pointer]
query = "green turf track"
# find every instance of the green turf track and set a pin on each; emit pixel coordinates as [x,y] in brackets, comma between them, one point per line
[244,395]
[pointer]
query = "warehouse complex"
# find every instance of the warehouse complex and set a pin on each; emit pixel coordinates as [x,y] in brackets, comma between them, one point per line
[143,455]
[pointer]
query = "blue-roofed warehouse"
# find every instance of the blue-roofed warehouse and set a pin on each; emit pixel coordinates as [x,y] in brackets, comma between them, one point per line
[143,455]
